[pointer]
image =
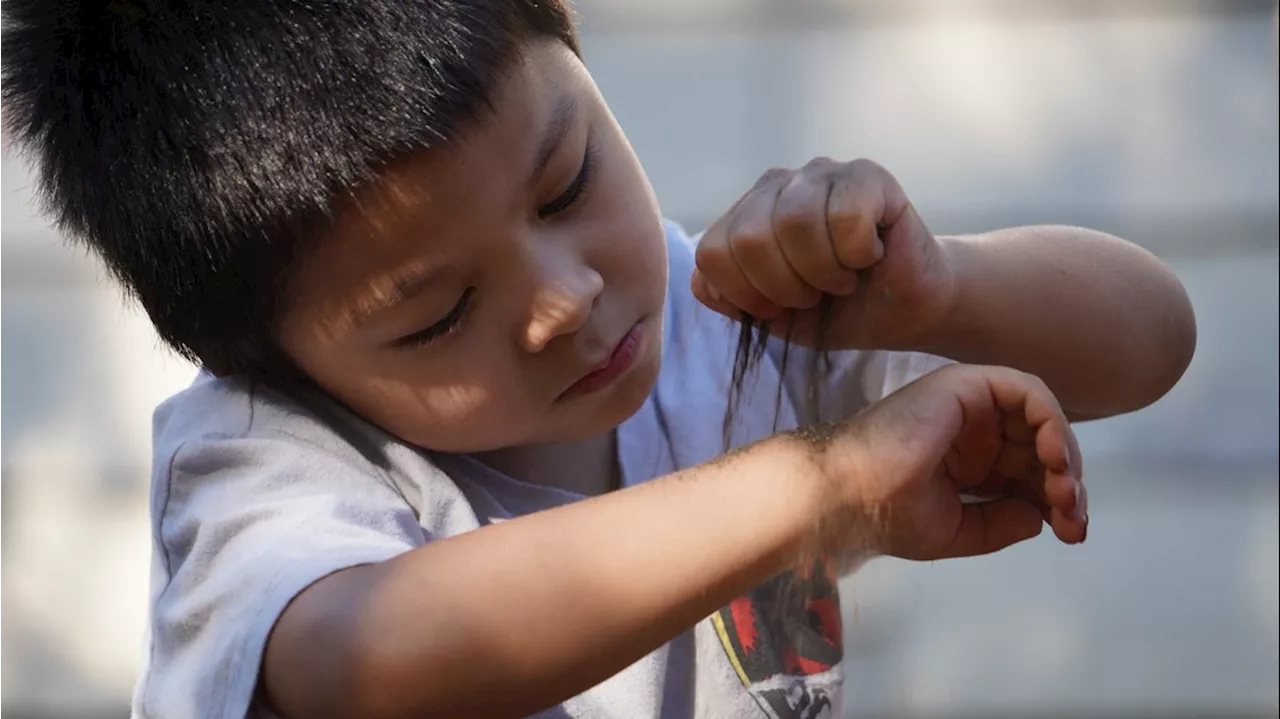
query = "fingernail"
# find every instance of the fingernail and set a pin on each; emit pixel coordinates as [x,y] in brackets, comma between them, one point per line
[1078,513]
[715,294]
[1084,534]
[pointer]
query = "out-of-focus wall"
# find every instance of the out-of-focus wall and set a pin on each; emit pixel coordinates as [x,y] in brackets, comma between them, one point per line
[1155,120]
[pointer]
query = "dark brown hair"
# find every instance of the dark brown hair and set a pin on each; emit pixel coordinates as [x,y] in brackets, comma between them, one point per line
[199,148]
[753,340]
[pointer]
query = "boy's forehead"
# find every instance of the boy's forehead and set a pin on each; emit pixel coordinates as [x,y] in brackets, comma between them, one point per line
[528,110]
[422,204]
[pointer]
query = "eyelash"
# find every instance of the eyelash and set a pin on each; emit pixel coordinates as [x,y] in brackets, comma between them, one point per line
[445,327]
[576,189]
[450,322]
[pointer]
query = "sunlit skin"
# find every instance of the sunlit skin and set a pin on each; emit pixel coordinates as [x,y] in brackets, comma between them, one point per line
[545,281]
[554,270]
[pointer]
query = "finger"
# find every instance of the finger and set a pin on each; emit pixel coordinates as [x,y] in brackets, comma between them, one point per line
[991,526]
[1075,457]
[1019,473]
[1021,393]
[724,279]
[1028,488]
[975,449]
[708,295]
[1056,447]
[1016,429]
[1067,529]
[1053,446]
[758,252]
[1064,488]
[1020,462]
[1077,472]
[1068,502]
[800,224]
[855,210]
[1058,451]
[1033,494]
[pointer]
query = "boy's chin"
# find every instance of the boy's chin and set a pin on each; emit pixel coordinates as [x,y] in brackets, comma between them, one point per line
[614,406]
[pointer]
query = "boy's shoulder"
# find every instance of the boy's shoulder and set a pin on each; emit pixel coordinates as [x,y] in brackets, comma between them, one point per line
[255,496]
[216,410]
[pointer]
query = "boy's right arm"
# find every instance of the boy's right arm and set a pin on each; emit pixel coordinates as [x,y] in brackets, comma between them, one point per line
[515,617]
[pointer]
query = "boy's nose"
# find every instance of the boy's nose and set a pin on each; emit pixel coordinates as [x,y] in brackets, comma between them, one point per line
[560,305]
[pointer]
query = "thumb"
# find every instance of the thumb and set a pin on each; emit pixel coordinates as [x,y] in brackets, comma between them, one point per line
[987,527]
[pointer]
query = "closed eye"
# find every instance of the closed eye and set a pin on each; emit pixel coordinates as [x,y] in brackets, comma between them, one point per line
[445,327]
[576,189]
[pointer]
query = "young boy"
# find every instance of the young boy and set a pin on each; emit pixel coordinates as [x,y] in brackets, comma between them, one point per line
[455,452]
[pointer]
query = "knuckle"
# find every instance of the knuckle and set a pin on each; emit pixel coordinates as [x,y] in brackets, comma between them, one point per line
[793,219]
[772,175]
[704,254]
[844,217]
[864,166]
[820,164]
[856,254]
[709,259]
[750,242]
[1035,382]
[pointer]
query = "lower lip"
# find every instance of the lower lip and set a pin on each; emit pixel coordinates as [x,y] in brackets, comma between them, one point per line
[624,355]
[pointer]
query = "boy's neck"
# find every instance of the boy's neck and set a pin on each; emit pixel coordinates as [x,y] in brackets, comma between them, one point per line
[588,467]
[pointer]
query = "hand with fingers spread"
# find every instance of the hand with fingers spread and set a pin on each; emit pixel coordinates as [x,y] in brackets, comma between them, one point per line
[904,464]
[845,230]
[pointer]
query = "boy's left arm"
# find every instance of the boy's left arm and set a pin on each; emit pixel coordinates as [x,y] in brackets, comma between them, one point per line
[1105,324]
[1101,321]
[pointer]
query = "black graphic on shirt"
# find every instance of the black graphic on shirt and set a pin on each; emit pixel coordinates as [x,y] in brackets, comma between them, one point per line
[781,636]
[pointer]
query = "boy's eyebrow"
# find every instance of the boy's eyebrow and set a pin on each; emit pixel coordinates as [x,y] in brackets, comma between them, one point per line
[408,286]
[553,134]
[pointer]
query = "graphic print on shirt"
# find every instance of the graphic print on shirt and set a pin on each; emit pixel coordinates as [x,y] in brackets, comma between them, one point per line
[785,641]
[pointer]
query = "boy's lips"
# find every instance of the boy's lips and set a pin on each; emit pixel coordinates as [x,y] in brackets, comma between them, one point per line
[620,360]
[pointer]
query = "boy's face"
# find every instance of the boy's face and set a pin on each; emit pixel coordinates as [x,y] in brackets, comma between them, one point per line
[461,305]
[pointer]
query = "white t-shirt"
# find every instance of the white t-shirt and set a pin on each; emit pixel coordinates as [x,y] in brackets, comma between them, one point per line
[255,496]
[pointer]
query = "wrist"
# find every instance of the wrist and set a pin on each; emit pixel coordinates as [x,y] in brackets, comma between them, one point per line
[845,520]
[941,325]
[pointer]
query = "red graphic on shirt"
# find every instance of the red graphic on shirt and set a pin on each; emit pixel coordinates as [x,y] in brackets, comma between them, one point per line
[783,634]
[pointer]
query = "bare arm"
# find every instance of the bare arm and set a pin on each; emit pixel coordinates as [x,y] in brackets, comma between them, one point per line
[516,617]
[1104,323]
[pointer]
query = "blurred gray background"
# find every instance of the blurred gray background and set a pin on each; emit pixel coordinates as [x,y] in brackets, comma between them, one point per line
[1156,120]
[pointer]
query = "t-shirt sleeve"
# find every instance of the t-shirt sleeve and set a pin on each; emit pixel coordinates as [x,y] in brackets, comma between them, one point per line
[849,381]
[244,526]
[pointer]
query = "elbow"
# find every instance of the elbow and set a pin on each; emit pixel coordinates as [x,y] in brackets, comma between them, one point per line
[1183,348]
[1158,353]
[1173,348]
[1180,337]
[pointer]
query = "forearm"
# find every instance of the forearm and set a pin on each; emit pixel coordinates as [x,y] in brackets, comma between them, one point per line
[515,617]
[1104,323]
